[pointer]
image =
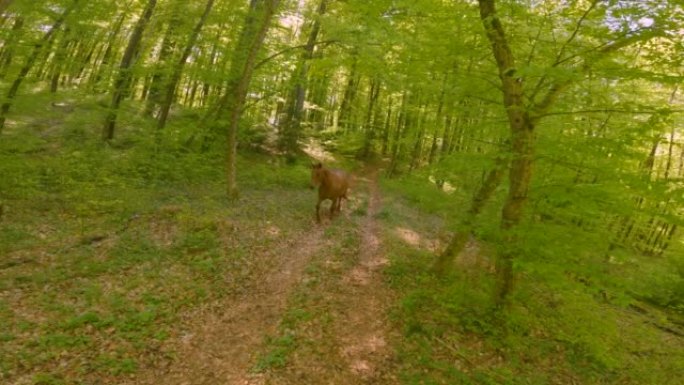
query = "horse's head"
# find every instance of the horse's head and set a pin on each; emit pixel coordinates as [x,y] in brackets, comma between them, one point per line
[316,175]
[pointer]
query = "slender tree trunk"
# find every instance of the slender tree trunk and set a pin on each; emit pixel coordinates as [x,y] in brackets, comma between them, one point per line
[249,43]
[434,147]
[386,129]
[123,78]
[374,93]
[153,98]
[319,116]
[8,46]
[86,59]
[170,87]
[207,87]
[403,120]
[30,61]
[417,153]
[59,61]
[649,163]
[449,134]
[41,69]
[291,130]
[668,165]
[107,56]
[681,161]
[344,117]
[444,261]
[190,100]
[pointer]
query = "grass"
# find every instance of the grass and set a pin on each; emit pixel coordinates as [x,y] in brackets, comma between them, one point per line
[103,247]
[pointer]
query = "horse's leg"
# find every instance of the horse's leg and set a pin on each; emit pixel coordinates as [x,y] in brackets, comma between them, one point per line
[318,216]
[336,205]
[332,207]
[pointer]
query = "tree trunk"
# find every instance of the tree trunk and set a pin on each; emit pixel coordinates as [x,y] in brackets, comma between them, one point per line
[83,63]
[344,117]
[291,127]
[444,261]
[403,120]
[97,74]
[386,129]
[170,87]
[681,162]
[522,140]
[417,152]
[449,134]
[123,78]
[374,93]
[30,61]
[668,165]
[59,61]
[319,90]
[160,77]
[8,46]
[249,43]
[432,157]
[207,87]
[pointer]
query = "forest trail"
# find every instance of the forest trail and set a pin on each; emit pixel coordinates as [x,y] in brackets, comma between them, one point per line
[219,346]
[345,341]
[364,332]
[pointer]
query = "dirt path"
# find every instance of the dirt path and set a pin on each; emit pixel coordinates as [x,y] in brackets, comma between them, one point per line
[363,333]
[227,334]
[344,340]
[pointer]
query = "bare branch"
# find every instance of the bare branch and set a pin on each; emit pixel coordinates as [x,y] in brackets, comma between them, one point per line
[602,51]
[558,60]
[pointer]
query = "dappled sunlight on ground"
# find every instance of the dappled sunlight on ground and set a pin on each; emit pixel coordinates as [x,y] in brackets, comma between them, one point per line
[409,236]
[316,151]
[416,240]
[272,231]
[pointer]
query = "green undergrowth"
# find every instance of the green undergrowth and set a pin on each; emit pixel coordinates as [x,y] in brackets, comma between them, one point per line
[559,328]
[103,246]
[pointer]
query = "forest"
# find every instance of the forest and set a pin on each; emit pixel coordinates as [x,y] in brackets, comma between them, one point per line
[514,214]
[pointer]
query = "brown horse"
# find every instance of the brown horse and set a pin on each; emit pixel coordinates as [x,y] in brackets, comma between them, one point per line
[332,184]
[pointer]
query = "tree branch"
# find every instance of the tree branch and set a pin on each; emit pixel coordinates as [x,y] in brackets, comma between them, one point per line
[558,60]
[602,51]
[288,49]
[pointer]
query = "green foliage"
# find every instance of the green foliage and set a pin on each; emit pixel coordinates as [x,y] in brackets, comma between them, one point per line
[570,317]
[110,241]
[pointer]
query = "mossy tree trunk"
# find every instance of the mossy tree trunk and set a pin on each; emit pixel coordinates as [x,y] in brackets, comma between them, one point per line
[522,120]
